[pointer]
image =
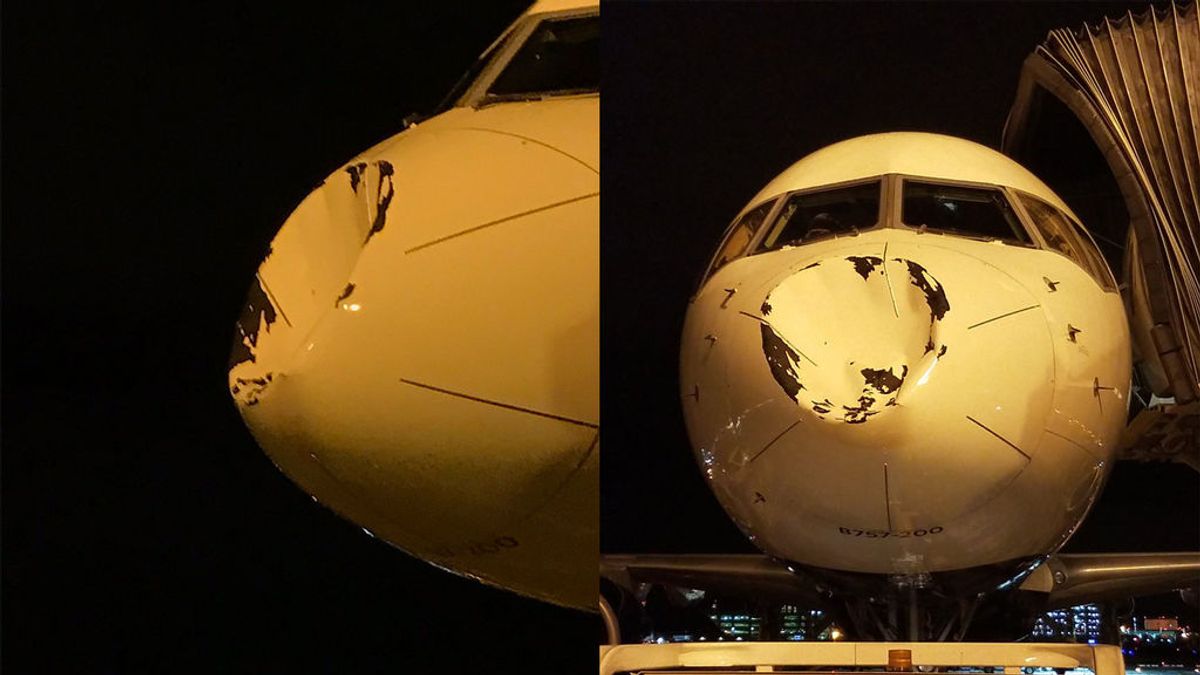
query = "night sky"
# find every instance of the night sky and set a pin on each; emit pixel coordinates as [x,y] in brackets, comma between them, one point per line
[704,104]
[149,158]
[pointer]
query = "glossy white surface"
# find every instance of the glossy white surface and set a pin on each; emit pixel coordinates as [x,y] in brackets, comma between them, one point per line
[905,402]
[431,368]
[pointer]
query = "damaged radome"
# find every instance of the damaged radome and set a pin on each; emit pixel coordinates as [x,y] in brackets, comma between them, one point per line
[881,383]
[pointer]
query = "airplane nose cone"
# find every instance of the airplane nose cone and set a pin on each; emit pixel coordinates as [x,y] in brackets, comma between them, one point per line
[857,333]
[419,352]
[882,350]
[882,385]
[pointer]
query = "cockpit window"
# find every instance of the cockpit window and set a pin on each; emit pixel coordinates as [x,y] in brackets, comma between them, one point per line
[740,235]
[814,215]
[561,56]
[1067,238]
[957,209]
[468,78]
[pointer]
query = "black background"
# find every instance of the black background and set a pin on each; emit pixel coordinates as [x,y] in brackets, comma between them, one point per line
[149,157]
[704,104]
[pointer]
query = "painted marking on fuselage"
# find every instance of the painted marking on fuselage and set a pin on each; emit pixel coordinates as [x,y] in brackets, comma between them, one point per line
[500,221]
[1003,439]
[729,293]
[500,404]
[1003,316]
[1096,389]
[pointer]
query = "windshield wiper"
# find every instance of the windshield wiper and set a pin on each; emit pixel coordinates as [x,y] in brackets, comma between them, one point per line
[492,99]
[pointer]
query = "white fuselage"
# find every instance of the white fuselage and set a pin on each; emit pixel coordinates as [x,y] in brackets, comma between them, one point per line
[904,402]
[420,350]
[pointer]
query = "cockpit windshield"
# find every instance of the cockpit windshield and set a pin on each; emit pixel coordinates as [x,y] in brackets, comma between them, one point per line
[468,78]
[814,215]
[561,56]
[980,212]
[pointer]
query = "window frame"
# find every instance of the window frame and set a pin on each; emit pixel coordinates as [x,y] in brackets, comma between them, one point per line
[476,95]
[891,215]
[881,216]
[1108,282]
[1004,190]
[711,269]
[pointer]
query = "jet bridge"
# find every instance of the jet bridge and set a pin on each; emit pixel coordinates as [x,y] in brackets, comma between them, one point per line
[1133,84]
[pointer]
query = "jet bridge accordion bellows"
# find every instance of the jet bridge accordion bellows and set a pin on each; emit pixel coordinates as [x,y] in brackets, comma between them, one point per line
[1134,83]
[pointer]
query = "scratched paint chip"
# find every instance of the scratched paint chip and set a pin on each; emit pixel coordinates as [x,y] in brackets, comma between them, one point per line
[257,314]
[383,198]
[356,172]
[864,265]
[935,295]
[884,380]
[781,357]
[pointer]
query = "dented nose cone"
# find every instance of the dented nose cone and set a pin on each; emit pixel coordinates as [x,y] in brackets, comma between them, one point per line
[419,351]
[871,333]
[887,385]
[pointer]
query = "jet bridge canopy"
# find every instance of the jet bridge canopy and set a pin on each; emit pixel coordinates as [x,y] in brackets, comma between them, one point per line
[1134,85]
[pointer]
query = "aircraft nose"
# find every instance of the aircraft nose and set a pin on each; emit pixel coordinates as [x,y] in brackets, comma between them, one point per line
[425,361]
[857,333]
[914,371]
